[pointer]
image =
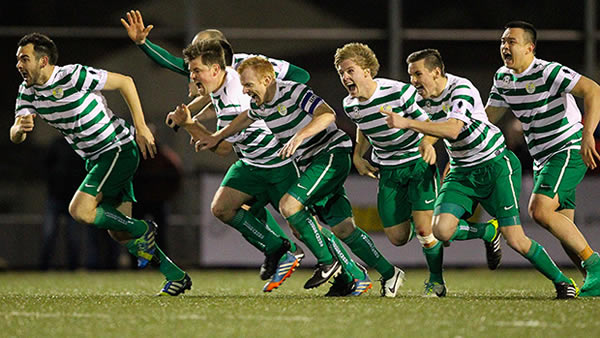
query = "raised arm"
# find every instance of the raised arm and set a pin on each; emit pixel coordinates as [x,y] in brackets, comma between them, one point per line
[296,74]
[362,165]
[323,116]
[590,92]
[138,33]
[125,85]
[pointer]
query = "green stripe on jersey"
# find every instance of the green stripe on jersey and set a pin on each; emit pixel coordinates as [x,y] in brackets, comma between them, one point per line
[391,146]
[479,140]
[540,98]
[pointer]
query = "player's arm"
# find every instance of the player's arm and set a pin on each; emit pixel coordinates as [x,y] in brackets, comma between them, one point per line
[125,85]
[589,90]
[448,129]
[181,116]
[358,157]
[241,122]
[495,113]
[296,74]
[203,107]
[323,116]
[23,125]
[138,33]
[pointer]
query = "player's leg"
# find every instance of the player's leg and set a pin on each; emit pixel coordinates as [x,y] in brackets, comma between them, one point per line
[554,190]
[573,256]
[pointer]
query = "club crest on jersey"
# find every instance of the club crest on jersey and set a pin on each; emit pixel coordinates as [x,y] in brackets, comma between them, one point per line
[282,110]
[506,79]
[530,87]
[428,104]
[58,93]
[446,107]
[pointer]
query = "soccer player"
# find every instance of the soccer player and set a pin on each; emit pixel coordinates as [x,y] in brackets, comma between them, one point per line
[540,94]
[259,173]
[201,104]
[482,170]
[69,99]
[305,124]
[405,163]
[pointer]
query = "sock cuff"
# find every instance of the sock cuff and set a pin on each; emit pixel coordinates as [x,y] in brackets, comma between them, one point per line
[353,236]
[593,259]
[533,249]
[437,247]
[238,217]
[298,217]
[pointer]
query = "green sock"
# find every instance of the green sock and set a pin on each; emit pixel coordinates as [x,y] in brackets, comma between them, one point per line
[255,231]
[362,246]
[276,228]
[591,261]
[167,267]
[538,256]
[348,264]
[435,258]
[307,227]
[467,230]
[108,217]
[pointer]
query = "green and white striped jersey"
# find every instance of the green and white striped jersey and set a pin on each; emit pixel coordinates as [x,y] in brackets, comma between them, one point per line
[255,145]
[289,111]
[391,146]
[71,102]
[540,98]
[479,140]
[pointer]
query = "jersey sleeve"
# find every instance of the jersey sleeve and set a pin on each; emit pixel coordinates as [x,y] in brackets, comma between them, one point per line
[164,59]
[296,74]
[462,104]
[23,106]
[89,79]
[565,79]
[308,100]
[496,99]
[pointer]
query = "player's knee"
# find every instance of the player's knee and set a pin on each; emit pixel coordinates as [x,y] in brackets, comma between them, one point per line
[343,229]
[539,214]
[289,206]
[398,239]
[221,211]
[442,233]
[81,214]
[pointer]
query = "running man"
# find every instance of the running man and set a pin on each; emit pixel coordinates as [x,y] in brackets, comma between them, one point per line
[482,170]
[259,174]
[69,99]
[305,124]
[540,94]
[404,160]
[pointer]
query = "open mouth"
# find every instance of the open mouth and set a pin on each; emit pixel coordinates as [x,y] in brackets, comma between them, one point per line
[507,57]
[420,89]
[351,87]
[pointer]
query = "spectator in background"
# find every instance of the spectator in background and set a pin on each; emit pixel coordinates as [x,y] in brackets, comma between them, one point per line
[64,172]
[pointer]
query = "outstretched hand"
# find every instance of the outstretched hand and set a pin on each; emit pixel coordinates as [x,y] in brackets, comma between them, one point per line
[135,27]
[394,120]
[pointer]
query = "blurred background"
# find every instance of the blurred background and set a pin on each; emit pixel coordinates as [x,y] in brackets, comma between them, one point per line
[176,190]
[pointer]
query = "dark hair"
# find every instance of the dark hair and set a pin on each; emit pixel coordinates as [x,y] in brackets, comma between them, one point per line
[432,57]
[215,34]
[42,45]
[527,27]
[211,52]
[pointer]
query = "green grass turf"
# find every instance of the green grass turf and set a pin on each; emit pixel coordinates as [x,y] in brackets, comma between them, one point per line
[480,303]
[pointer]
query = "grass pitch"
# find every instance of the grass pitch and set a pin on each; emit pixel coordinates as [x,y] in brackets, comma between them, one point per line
[230,303]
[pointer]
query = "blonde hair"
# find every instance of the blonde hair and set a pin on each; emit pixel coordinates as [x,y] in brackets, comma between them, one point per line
[359,53]
[259,64]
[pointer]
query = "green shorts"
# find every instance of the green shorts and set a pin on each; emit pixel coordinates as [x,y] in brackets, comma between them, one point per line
[321,187]
[112,175]
[266,185]
[560,175]
[495,185]
[402,190]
